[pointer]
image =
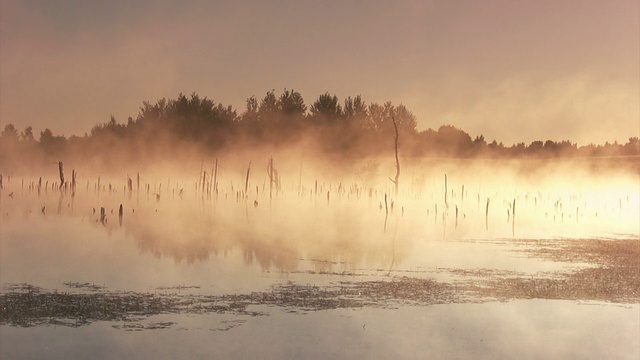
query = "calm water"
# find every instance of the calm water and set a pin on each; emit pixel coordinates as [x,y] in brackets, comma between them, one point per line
[192,244]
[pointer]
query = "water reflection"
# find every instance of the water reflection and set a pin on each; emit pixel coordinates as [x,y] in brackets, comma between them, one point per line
[353,230]
[271,243]
[168,260]
[616,279]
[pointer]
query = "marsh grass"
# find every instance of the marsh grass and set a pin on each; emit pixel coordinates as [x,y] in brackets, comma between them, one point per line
[614,275]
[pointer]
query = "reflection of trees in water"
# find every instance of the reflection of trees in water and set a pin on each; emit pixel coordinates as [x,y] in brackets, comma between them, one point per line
[193,237]
[353,242]
[181,238]
[269,254]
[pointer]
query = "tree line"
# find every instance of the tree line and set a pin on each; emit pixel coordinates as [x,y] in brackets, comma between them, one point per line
[350,128]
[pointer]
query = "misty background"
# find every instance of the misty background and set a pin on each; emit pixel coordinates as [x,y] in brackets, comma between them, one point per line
[511,71]
[345,133]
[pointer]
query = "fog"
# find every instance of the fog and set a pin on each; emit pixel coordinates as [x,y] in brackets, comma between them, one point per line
[209,230]
[473,193]
[346,215]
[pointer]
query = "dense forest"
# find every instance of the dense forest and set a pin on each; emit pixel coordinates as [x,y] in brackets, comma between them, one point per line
[348,129]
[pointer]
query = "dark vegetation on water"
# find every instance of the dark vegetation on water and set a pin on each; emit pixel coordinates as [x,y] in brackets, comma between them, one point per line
[352,129]
[612,275]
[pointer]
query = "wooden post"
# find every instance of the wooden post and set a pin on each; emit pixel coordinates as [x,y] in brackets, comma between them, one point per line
[73,180]
[456,216]
[61,173]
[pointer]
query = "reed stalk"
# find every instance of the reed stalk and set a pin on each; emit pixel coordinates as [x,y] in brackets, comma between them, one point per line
[486,215]
[246,183]
[446,203]
[513,218]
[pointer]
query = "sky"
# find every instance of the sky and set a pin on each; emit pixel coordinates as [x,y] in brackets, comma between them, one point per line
[514,71]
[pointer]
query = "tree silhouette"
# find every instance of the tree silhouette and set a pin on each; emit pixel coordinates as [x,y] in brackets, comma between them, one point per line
[9,134]
[268,110]
[351,129]
[8,142]
[27,135]
[291,105]
[326,110]
[355,112]
[46,137]
[453,141]
[250,114]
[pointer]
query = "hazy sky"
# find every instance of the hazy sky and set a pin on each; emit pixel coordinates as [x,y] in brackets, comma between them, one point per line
[510,70]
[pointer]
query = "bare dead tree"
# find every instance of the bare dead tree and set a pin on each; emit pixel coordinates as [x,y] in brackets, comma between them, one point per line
[395,139]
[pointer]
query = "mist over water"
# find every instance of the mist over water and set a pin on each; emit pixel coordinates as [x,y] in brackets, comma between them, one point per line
[461,180]
[195,229]
[336,220]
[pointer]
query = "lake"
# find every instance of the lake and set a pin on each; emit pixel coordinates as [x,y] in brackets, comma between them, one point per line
[501,263]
